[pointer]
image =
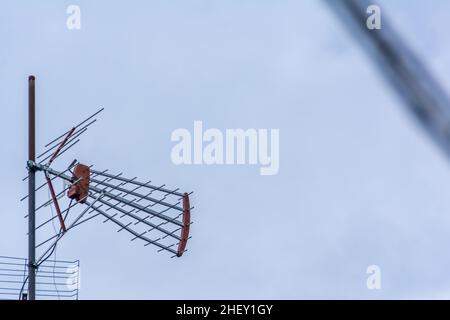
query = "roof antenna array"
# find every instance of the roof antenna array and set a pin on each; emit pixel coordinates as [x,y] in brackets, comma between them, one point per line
[153,214]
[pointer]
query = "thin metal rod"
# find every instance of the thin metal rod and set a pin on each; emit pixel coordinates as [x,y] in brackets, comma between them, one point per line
[61,145]
[111,195]
[139,183]
[45,183]
[151,191]
[73,137]
[54,217]
[48,202]
[62,212]
[87,219]
[60,153]
[45,241]
[89,118]
[134,189]
[55,203]
[424,97]
[40,271]
[78,132]
[61,234]
[73,226]
[137,206]
[133,232]
[78,125]
[55,175]
[156,201]
[167,232]
[31,192]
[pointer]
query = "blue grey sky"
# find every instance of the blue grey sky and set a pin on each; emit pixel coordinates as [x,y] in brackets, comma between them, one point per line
[359,182]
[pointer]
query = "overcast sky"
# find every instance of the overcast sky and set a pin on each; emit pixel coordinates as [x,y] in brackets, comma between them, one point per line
[359,182]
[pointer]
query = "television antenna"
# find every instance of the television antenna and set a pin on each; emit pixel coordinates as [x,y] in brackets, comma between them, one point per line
[159,216]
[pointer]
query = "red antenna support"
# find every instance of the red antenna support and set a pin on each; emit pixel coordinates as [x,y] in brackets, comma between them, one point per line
[80,183]
[186,225]
[49,181]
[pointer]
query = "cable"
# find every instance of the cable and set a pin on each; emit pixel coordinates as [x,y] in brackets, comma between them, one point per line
[23,286]
[68,210]
[54,249]
[53,272]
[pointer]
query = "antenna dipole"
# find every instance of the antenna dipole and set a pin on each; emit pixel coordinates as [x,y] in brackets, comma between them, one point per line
[31,190]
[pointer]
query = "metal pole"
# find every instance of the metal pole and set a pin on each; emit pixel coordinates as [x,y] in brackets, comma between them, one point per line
[31,192]
[421,92]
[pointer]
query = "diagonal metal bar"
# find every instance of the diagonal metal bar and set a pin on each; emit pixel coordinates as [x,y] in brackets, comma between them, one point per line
[78,125]
[87,219]
[133,232]
[61,145]
[156,201]
[141,184]
[422,94]
[74,136]
[54,217]
[151,191]
[131,215]
[45,204]
[57,196]
[111,195]
[120,194]
[55,203]
[45,183]
[67,132]
[139,207]
[60,153]
[48,202]
[61,234]
[134,189]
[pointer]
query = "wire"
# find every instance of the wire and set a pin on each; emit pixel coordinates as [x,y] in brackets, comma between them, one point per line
[48,256]
[23,286]
[54,267]
[54,249]
[67,213]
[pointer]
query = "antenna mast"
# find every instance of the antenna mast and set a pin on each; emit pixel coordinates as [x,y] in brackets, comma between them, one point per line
[31,190]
